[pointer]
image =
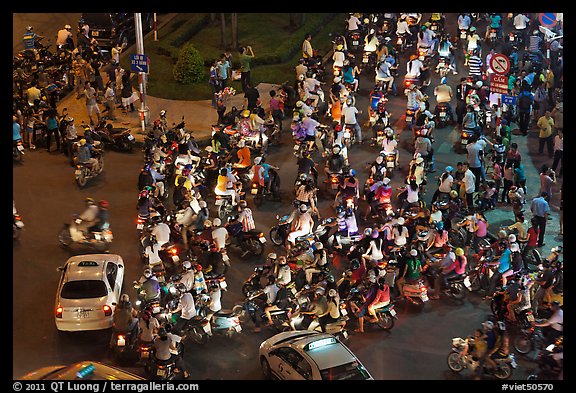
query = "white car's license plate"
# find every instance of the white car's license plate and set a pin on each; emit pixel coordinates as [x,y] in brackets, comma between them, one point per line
[392,312]
[467,282]
[131,137]
[442,113]
[262,239]
[254,191]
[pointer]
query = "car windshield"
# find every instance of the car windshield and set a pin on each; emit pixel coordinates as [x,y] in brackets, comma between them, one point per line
[351,371]
[83,289]
[97,19]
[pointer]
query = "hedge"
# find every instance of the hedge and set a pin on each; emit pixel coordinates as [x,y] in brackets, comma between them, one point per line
[190,66]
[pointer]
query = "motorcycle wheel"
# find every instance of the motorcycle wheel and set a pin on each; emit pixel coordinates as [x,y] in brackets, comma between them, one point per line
[82,178]
[458,291]
[494,308]
[454,363]
[522,344]
[385,322]
[222,212]
[197,337]
[275,236]
[64,237]
[255,247]
[475,284]
[265,368]
[504,371]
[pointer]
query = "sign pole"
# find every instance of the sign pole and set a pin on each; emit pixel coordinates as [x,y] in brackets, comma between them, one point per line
[142,75]
[155,29]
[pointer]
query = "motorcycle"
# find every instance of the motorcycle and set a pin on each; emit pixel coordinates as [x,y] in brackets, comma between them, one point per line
[260,193]
[402,42]
[85,172]
[492,38]
[76,232]
[531,339]
[515,38]
[390,159]
[550,362]
[349,136]
[386,315]
[355,41]
[123,346]
[416,293]
[465,135]
[120,139]
[457,361]
[17,226]
[164,370]
[251,241]
[443,66]
[462,35]
[442,119]
[18,151]
[144,348]
[480,275]
[225,322]
[498,307]
[225,208]
[279,232]
[280,318]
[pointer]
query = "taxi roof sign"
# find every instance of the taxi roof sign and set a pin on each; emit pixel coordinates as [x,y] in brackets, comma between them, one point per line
[320,343]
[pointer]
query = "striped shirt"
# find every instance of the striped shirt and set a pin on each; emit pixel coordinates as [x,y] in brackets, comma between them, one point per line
[475,66]
[247,220]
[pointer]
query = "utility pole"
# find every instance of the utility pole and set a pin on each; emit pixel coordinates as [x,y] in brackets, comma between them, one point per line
[144,111]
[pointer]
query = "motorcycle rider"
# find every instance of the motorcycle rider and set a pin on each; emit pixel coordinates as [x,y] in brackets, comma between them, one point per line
[166,343]
[350,188]
[334,163]
[186,308]
[384,75]
[423,146]
[390,144]
[349,113]
[415,69]
[85,155]
[148,286]
[378,168]
[187,277]
[458,267]
[443,93]
[148,326]
[125,318]
[411,273]
[553,326]
[301,224]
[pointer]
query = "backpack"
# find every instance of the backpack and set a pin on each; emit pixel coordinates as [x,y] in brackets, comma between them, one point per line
[524,101]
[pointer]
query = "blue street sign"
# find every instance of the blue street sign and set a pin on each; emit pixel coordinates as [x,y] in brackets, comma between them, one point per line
[139,63]
[508,100]
[548,19]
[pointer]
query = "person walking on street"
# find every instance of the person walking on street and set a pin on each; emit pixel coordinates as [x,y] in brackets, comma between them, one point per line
[547,179]
[91,104]
[545,124]
[126,92]
[110,103]
[540,210]
[246,57]
[558,151]
[525,100]
[52,129]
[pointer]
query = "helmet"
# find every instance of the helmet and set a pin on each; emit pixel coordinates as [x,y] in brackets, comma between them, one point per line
[413,252]
[82,141]
[203,204]
[472,28]
[514,247]
[337,79]
[400,221]
[368,231]
[440,225]
[217,222]
[209,149]
[488,325]
[272,255]
[187,265]
[340,212]
[67,27]
[208,224]
[557,249]
[501,234]
[424,27]
[453,194]
[147,272]
[459,252]
[245,113]
[318,245]
[241,143]
[198,267]
[28,28]
[413,57]
[243,203]
[332,293]
[257,160]
[449,169]
[386,181]
[512,238]
[303,208]
[124,298]
[387,39]
[352,172]
[336,149]
[90,201]
[389,131]
[163,112]
[375,234]
[103,203]
[299,104]
[379,159]
[479,84]
[443,80]
[535,32]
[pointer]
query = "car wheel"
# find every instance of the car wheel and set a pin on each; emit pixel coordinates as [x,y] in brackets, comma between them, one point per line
[265,368]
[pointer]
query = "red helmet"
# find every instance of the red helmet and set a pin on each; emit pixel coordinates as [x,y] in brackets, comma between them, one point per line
[103,203]
[198,267]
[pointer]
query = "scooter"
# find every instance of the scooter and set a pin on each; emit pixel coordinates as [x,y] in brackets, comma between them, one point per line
[416,293]
[225,322]
[123,346]
[77,233]
[164,370]
[85,172]
[442,119]
[457,361]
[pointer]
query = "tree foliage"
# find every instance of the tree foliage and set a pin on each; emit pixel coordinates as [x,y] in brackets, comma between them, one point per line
[190,65]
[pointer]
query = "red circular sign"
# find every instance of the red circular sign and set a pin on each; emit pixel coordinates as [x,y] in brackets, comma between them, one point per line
[499,63]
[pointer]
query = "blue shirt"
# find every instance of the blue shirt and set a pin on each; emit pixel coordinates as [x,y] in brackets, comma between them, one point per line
[266,168]
[539,207]
[29,38]
[16,131]
[495,21]
[504,261]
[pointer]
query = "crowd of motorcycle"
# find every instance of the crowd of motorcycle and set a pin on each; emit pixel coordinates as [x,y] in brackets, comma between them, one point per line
[402,249]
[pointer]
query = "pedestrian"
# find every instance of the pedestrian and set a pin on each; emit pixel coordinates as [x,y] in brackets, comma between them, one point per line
[558,114]
[276,109]
[251,96]
[540,210]
[110,103]
[525,100]
[246,57]
[558,151]
[214,82]
[540,101]
[546,125]
[79,68]
[468,186]
[91,104]
[307,51]
[52,129]
[475,157]
[223,70]
[547,179]
[71,137]
[519,176]
[126,92]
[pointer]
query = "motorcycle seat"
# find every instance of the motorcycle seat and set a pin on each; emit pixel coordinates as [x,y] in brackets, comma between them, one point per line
[456,278]
[224,313]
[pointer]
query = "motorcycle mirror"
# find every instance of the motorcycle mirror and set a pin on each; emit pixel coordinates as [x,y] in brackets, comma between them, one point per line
[60,268]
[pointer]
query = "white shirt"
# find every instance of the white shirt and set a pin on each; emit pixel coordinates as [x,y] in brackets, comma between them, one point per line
[414,67]
[215,300]
[411,195]
[402,27]
[188,279]
[162,233]
[284,275]
[520,21]
[147,332]
[152,254]
[557,320]
[338,58]
[219,235]
[349,113]
[389,145]
[469,180]
[353,23]
[310,84]
[558,143]
[63,34]
[400,237]
[464,22]
[446,185]
[188,308]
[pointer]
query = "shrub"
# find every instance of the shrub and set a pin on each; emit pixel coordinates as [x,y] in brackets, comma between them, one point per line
[190,66]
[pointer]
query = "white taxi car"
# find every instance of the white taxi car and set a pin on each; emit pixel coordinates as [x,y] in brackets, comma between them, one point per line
[85,370]
[307,355]
[89,288]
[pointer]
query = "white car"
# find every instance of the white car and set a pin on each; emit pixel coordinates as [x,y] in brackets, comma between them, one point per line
[89,289]
[307,355]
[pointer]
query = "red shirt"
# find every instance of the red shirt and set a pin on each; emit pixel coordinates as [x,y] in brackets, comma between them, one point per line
[383,295]
[533,234]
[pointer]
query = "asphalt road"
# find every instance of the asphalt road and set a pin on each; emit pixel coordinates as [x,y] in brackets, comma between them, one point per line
[46,196]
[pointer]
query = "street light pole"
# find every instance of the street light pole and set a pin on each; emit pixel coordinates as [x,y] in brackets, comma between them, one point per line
[141,75]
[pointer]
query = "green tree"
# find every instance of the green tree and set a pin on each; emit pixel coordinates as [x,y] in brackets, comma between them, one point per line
[190,65]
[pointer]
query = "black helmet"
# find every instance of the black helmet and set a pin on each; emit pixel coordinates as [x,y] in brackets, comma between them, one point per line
[354,264]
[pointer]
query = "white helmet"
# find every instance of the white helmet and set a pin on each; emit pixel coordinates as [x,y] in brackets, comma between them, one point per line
[147,272]
[257,160]
[379,159]
[241,143]
[332,293]
[299,104]
[512,238]
[67,27]
[187,265]
[124,298]
[216,222]
[514,247]
[479,84]
[318,245]
[272,255]
[303,208]
[413,252]
[386,180]
[400,221]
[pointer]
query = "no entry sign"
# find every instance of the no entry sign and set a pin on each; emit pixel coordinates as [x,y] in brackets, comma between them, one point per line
[499,63]
[498,84]
[547,19]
